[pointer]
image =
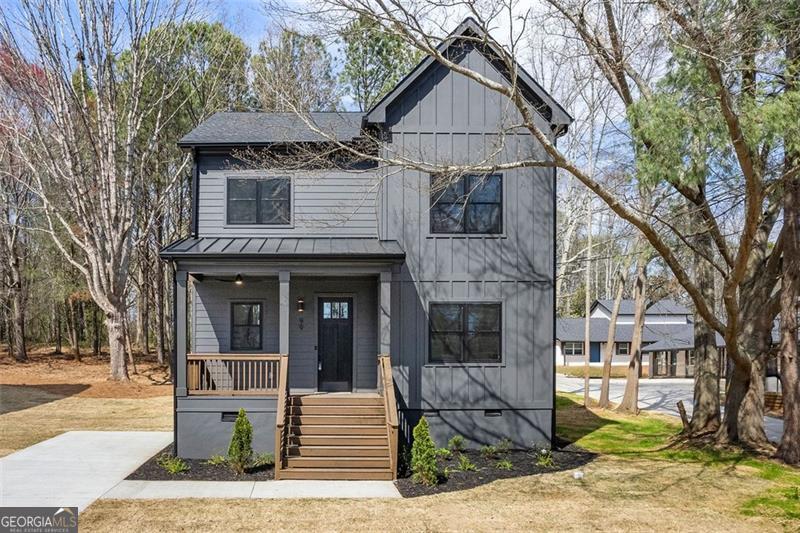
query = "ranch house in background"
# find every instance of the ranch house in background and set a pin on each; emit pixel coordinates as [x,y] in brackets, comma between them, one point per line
[339,305]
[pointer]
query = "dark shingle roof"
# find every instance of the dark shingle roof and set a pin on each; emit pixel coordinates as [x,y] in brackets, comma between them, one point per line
[664,336]
[248,128]
[283,248]
[661,307]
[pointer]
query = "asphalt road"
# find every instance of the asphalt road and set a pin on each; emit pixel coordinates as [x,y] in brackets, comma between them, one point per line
[659,395]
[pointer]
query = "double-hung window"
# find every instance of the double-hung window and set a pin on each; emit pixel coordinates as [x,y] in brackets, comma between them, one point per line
[465,333]
[468,204]
[246,320]
[265,201]
[573,348]
[623,348]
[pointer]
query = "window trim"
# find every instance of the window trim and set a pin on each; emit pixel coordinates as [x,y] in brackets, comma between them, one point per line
[260,326]
[501,333]
[500,234]
[259,177]
[564,348]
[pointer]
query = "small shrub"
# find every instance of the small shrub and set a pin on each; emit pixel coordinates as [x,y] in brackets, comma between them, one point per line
[544,458]
[488,451]
[423,455]
[504,446]
[444,453]
[504,464]
[240,452]
[448,471]
[263,459]
[456,444]
[217,459]
[403,459]
[465,465]
[173,465]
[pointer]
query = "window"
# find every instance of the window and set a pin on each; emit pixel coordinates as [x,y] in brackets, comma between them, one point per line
[623,348]
[246,326]
[335,310]
[573,348]
[465,333]
[259,201]
[472,204]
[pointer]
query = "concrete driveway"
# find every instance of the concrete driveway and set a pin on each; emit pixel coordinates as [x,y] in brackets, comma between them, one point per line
[659,395]
[75,468]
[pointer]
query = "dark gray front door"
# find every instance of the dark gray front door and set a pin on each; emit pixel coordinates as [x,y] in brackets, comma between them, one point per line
[335,366]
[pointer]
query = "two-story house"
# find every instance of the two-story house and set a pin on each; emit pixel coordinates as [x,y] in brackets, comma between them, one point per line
[339,305]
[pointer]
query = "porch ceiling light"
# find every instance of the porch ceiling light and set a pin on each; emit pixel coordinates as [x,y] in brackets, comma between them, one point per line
[238,279]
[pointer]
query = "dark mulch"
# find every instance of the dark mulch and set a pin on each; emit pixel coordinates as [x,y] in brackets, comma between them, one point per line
[199,470]
[524,464]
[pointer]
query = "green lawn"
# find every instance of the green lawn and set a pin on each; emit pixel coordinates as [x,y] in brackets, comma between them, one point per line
[652,437]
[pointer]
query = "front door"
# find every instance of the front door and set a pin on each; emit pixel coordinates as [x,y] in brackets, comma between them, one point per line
[335,344]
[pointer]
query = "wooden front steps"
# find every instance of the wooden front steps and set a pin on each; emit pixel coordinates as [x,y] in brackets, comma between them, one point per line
[336,436]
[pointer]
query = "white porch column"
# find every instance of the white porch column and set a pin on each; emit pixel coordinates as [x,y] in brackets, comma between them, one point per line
[385,319]
[180,301]
[283,330]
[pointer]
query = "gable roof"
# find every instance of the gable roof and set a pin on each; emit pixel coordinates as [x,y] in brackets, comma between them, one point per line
[662,336]
[470,28]
[227,129]
[661,307]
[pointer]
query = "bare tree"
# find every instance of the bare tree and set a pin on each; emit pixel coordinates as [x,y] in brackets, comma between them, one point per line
[91,134]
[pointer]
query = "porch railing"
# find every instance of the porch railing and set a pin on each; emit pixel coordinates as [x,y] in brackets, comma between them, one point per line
[281,429]
[233,374]
[390,407]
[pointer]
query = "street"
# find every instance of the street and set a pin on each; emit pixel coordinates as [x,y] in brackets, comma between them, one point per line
[659,395]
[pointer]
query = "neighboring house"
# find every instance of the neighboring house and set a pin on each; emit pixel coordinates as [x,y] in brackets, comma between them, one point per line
[337,307]
[667,338]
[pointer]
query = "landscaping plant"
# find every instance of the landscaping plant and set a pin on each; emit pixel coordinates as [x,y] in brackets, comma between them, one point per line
[504,446]
[504,464]
[240,452]
[173,465]
[456,444]
[216,460]
[544,458]
[488,451]
[423,455]
[444,453]
[263,459]
[465,465]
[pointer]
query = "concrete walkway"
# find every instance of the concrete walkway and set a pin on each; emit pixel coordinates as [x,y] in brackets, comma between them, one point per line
[300,489]
[75,468]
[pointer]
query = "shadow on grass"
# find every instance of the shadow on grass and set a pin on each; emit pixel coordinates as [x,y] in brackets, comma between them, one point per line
[19,397]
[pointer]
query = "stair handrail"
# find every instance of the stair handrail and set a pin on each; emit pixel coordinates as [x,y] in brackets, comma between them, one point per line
[390,408]
[280,413]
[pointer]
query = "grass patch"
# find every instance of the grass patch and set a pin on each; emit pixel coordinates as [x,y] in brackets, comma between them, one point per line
[595,372]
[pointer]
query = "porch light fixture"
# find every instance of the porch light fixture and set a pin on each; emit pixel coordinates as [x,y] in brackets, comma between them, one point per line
[301,306]
[238,279]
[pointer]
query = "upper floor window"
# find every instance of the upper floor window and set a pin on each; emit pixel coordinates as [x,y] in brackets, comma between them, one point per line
[259,201]
[470,204]
[246,326]
[465,333]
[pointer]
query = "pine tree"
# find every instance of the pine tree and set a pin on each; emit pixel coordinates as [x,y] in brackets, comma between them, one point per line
[240,452]
[423,455]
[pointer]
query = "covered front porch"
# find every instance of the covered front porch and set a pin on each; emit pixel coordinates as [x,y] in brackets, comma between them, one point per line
[295,341]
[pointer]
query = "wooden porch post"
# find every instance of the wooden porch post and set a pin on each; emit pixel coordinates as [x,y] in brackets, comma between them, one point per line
[181,282]
[385,320]
[283,281]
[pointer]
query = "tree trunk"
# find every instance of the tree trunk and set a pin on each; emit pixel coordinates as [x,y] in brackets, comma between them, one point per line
[743,420]
[18,334]
[609,351]
[630,401]
[158,292]
[115,324]
[72,329]
[96,330]
[57,323]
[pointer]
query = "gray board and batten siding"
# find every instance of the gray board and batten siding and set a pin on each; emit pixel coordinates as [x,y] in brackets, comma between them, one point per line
[434,115]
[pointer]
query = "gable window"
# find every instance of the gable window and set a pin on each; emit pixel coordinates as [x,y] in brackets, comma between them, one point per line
[623,348]
[246,326]
[264,201]
[470,204]
[464,333]
[573,348]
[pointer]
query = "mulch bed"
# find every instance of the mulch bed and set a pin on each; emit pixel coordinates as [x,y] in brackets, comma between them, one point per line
[199,470]
[524,463]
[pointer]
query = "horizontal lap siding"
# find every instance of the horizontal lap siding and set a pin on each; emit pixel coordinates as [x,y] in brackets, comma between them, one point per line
[334,203]
[446,118]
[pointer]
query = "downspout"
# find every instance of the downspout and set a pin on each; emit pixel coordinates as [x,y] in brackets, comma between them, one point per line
[195,193]
[555,296]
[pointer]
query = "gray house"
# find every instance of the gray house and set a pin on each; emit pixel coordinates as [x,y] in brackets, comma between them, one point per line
[339,304]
